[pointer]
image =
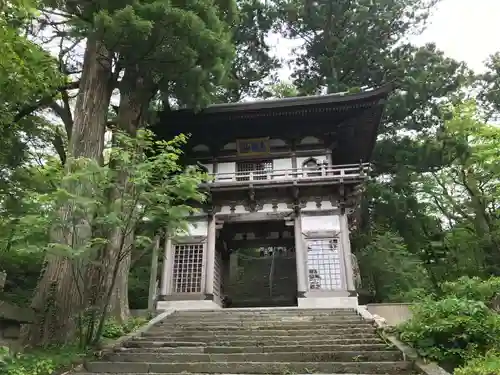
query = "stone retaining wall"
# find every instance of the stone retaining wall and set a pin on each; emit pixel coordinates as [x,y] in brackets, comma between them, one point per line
[393,313]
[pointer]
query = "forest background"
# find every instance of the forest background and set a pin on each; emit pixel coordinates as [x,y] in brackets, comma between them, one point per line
[81,81]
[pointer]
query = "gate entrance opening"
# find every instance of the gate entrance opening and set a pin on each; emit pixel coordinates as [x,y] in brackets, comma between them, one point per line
[261,269]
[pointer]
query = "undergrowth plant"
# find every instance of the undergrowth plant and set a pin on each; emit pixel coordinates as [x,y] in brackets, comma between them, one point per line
[451,330]
[488,364]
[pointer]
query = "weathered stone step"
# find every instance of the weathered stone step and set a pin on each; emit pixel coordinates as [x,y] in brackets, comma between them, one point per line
[250,341]
[338,356]
[259,318]
[175,349]
[269,321]
[263,312]
[393,368]
[257,349]
[165,373]
[261,325]
[263,333]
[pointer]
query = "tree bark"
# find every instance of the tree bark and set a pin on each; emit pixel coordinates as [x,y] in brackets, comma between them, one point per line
[135,95]
[60,293]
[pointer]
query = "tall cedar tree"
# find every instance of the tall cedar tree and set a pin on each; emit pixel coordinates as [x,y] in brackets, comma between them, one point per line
[149,44]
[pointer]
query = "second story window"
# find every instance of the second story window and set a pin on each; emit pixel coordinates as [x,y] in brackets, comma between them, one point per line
[311,168]
[258,169]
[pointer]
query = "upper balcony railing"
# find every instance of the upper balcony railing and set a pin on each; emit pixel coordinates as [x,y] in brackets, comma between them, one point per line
[351,173]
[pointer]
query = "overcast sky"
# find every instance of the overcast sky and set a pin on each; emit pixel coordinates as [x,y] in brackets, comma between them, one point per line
[466,30]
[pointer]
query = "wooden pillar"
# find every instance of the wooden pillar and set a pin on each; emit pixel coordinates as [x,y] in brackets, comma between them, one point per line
[329,156]
[210,258]
[346,250]
[215,166]
[300,257]
[153,275]
[168,258]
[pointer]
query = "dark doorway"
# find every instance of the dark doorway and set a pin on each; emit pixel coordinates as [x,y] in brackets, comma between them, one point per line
[260,269]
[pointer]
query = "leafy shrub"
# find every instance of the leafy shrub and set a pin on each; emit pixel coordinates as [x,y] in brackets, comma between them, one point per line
[38,362]
[138,285]
[23,271]
[450,329]
[113,329]
[489,364]
[473,288]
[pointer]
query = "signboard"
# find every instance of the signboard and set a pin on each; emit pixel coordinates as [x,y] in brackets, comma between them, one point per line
[254,146]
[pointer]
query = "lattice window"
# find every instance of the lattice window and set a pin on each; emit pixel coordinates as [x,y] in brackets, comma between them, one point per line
[324,264]
[259,169]
[188,268]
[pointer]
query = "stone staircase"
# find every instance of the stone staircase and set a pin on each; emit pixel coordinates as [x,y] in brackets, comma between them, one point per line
[253,286]
[256,341]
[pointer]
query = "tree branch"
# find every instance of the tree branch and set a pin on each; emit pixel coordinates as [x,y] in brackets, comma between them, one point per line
[64,113]
[44,102]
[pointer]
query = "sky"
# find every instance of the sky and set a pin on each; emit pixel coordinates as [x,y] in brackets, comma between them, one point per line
[466,30]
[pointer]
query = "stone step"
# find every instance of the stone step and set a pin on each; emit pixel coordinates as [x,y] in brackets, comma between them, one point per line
[250,341]
[387,368]
[257,349]
[164,373]
[264,321]
[290,326]
[264,312]
[261,320]
[264,333]
[338,356]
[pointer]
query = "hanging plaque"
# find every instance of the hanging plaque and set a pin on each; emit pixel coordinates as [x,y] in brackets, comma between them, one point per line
[254,146]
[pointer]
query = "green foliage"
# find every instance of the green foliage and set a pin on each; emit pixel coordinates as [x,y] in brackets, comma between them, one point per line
[157,191]
[253,63]
[473,288]
[451,329]
[39,362]
[397,275]
[489,364]
[113,329]
[52,359]
[138,286]
[28,75]
[23,271]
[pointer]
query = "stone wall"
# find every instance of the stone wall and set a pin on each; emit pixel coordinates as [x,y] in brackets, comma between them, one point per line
[393,313]
[11,319]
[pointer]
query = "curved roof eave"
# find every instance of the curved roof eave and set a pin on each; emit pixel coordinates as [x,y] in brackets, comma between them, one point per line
[333,99]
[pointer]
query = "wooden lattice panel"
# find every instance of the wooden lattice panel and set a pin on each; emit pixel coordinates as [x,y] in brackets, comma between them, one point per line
[259,170]
[324,264]
[188,268]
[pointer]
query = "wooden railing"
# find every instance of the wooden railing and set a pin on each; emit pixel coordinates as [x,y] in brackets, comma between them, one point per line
[335,173]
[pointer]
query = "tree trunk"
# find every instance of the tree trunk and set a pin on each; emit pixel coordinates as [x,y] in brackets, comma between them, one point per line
[135,96]
[59,295]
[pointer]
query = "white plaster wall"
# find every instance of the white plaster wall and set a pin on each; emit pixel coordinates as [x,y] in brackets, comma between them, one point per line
[282,163]
[320,223]
[195,228]
[226,168]
[281,168]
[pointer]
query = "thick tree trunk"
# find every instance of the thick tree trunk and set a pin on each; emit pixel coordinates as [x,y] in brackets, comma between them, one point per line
[134,101]
[59,295]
